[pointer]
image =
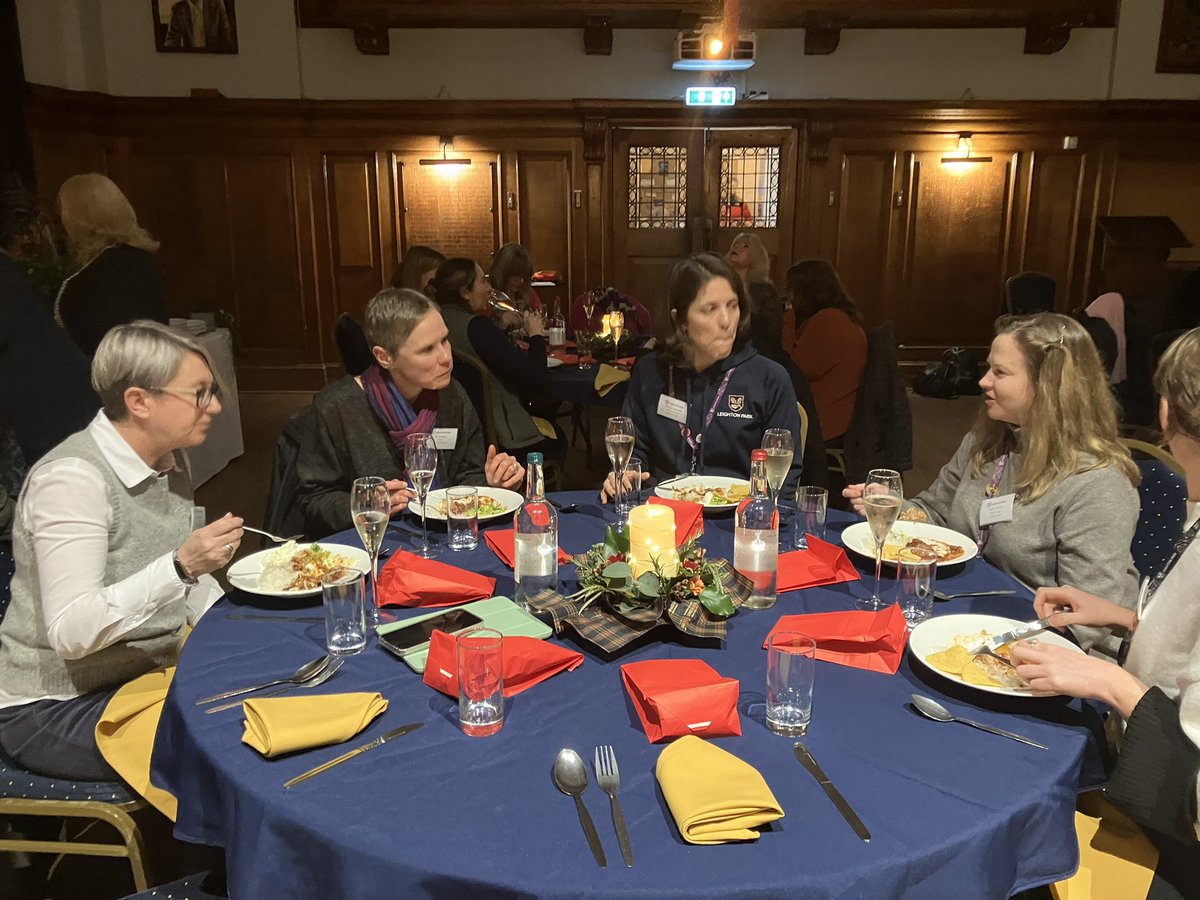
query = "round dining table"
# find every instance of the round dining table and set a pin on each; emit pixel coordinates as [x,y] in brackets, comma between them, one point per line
[953,811]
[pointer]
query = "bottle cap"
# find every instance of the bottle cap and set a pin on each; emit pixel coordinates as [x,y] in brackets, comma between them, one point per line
[536,459]
[758,456]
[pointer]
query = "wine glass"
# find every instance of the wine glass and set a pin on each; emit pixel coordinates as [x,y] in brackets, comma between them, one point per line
[778,444]
[618,441]
[883,495]
[617,323]
[420,457]
[590,299]
[370,506]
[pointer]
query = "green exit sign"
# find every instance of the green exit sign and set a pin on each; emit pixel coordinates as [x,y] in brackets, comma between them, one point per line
[710,96]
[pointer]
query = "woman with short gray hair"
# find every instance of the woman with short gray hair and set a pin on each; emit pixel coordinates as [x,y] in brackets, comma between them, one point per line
[109,566]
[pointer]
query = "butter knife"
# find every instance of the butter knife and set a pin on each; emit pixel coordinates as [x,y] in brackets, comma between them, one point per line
[251,617]
[1022,631]
[378,742]
[806,759]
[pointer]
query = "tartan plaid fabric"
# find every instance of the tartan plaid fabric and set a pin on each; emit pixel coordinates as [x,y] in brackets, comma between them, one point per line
[600,625]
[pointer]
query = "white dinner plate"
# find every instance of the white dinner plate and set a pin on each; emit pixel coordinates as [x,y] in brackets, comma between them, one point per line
[670,489]
[858,538]
[939,633]
[553,362]
[510,499]
[244,573]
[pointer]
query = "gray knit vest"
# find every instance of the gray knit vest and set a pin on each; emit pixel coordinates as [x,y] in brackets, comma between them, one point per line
[148,520]
[514,425]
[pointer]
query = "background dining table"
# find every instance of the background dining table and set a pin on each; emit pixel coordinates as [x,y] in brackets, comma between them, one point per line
[953,811]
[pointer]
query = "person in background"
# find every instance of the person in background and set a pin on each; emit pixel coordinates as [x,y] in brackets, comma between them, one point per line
[730,393]
[749,258]
[1155,690]
[417,268]
[1046,438]
[362,422]
[823,333]
[511,274]
[109,567]
[117,280]
[200,25]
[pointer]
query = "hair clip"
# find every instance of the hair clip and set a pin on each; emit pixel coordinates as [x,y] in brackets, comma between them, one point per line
[1062,335]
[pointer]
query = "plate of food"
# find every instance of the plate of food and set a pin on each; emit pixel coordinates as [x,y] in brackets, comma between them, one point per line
[941,644]
[493,504]
[951,547]
[715,492]
[294,570]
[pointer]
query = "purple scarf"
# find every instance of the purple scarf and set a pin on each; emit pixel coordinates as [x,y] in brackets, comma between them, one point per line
[401,417]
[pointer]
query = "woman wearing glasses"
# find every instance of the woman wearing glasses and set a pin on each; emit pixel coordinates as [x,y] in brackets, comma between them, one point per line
[109,567]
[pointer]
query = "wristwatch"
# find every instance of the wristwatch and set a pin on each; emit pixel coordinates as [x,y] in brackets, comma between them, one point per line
[181,571]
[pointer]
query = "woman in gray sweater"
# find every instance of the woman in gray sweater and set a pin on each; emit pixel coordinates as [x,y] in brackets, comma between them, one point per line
[1047,439]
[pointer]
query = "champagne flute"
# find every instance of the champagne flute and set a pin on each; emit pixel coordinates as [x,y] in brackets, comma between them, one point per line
[420,457]
[617,322]
[778,444]
[589,309]
[369,509]
[883,495]
[618,441]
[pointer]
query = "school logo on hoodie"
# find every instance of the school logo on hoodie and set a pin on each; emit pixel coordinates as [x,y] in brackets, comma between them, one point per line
[736,402]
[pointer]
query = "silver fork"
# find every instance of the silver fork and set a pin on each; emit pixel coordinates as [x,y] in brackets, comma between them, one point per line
[274,537]
[327,673]
[608,776]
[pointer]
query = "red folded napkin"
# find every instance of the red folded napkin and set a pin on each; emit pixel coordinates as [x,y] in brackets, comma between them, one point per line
[504,545]
[624,361]
[821,563]
[527,661]
[674,697]
[865,640]
[689,518]
[411,580]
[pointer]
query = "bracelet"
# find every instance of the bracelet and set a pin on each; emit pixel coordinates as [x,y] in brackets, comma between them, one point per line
[181,571]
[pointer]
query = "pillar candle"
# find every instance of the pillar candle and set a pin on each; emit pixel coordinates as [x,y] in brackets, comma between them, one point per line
[606,326]
[652,537]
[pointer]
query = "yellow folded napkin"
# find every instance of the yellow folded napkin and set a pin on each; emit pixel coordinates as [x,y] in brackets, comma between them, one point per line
[609,377]
[126,730]
[286,724]
[545,427]
[714,796]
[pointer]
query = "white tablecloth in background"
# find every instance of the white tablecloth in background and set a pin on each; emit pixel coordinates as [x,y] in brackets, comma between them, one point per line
[224,441]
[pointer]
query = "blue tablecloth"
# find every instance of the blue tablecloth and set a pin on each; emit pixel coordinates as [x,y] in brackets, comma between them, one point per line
[571,384]
[954,812]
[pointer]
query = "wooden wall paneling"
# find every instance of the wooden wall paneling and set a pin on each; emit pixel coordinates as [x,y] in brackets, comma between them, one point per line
[863,225]
[451,208]
[357,265]
[1158,183]
[597,163]
[61,154]
[544,204]
[1051,223]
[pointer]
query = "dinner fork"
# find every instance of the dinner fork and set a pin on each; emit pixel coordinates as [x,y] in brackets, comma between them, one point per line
[608,776]
[273,537]
[326,673]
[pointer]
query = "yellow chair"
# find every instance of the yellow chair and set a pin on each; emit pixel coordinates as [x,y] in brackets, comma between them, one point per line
[1116,860]
[803,429]
[1135,447]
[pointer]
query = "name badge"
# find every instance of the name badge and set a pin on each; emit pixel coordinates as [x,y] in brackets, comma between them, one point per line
[198,517]
[445,438]
[672,408]
[996,509]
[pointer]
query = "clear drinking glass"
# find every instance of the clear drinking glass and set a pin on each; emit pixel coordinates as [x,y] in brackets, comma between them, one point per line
[883,495]
[420,458]
[343,595]
[480,681]
[618,441]
[791,664]
[462,518]
[370,506]
[916,573]
[812,503]
[631,489]
[778,444]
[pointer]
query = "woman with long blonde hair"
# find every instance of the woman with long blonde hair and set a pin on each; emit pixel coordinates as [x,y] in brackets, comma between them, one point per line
[1046,438]
[117,280]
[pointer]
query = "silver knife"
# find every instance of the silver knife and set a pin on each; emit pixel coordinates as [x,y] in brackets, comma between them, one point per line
[250,617]
[378,742]
[806,759]
[1022,631]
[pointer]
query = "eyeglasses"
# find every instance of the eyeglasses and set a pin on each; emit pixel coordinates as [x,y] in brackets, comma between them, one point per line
[202,396]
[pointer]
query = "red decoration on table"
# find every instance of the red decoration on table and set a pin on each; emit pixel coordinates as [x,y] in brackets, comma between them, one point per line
[689,518]
[504,545]
[527,661]
[411,580]
[821,563]
[865,640]
[674,697]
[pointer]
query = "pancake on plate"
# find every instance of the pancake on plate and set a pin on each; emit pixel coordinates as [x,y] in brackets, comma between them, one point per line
[978,669]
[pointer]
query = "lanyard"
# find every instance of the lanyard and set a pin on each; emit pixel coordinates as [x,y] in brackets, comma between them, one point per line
[993,488]
[684,431]
[1148,588]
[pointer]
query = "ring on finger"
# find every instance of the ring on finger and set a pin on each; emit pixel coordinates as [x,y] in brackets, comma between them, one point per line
[229,547]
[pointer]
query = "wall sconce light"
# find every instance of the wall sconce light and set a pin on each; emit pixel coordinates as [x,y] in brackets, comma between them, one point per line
[964,154]
[447,144]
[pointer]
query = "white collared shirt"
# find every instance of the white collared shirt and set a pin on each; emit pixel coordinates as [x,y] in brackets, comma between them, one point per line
[65,507]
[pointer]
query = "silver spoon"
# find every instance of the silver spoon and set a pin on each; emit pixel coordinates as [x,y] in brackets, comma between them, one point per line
[326,673]
[931,709]
[301,675]
[571,777]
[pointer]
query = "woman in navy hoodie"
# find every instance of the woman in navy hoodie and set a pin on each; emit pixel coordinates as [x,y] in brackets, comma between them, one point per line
[703,401]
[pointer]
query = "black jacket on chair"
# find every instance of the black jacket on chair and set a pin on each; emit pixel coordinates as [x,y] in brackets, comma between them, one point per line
[283,515]
[880,434]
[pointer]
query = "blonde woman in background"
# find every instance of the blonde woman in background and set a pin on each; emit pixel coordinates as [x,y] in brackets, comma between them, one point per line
[749,258]
[118,279]
[1047,438]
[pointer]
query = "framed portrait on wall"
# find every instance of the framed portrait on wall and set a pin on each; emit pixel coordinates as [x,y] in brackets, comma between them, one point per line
[1179,39]
[194,26]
